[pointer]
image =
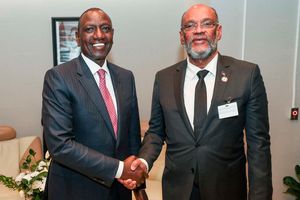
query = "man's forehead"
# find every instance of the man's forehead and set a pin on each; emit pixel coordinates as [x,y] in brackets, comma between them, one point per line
[199,12]
[95,15]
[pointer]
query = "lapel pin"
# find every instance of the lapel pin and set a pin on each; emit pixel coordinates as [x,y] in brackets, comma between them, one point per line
[224,77]
[229,100]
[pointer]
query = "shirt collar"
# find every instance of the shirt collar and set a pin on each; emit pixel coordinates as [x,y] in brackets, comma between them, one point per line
[94,67]
[192,70]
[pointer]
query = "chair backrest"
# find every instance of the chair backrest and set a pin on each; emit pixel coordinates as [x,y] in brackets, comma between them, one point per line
[14,150]
[159,165]
[9,157]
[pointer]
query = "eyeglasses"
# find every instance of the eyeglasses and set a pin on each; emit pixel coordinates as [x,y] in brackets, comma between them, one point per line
[192,26]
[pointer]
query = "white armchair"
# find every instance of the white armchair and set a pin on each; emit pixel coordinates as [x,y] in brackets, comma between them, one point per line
[13,151]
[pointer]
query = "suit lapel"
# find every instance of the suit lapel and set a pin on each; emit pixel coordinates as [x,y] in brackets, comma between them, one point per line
[88,82]
[117,89]
[222,79]
[223,70]
[178,91]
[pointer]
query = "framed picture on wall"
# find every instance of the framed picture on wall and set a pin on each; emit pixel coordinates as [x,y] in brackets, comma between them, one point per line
[64,40]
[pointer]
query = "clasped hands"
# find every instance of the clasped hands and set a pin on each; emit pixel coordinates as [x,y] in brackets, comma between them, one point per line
[134,173]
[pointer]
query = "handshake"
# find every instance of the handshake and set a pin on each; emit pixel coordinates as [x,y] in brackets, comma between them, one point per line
[134,173]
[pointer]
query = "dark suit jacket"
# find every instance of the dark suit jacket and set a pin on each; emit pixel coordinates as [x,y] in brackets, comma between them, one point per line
[218,152]
[79,134]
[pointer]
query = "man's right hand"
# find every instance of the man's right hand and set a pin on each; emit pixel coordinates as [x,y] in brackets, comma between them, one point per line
[139,174]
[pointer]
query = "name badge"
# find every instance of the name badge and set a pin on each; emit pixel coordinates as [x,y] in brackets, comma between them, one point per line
[228,110]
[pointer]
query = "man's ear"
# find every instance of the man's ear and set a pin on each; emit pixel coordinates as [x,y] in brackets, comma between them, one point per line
[219,32]
[181,35]
[77,38]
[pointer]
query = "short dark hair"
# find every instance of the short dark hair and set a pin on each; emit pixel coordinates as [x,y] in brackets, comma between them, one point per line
[88,10]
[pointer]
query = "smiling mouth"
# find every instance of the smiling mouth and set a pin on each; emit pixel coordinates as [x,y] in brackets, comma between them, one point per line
[98,45]
[199,39]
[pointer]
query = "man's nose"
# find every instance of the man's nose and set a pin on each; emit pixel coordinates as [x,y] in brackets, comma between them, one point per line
[199,29]
[98,33]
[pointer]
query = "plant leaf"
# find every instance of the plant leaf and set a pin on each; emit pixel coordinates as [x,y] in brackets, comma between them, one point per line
[293,192]
[291,182]
[33,167]
[28,159]
[24,181]
[25,166]
[32,152]
[297,170]
[8,182]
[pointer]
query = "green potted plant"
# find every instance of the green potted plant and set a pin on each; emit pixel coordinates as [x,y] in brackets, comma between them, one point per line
[293,184]
[30,183]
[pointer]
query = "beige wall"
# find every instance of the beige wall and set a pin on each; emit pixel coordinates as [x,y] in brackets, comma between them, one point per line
[146,40]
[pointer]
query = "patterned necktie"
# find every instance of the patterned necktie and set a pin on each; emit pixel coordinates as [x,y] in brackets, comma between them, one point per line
[108,100]
[200,109]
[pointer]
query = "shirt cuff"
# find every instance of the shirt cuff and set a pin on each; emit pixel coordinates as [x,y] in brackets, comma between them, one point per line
[120,169]
[145,162]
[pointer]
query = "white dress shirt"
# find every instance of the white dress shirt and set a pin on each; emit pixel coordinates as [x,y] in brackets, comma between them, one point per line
[190,82]
[94,68]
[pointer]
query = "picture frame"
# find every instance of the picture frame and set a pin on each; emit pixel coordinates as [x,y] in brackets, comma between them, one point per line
[64,42]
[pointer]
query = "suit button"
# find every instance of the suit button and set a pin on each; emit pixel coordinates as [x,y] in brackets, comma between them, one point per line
[193,170]
[197,145]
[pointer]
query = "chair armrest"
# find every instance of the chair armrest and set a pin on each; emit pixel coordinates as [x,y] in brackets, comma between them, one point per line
[7,133]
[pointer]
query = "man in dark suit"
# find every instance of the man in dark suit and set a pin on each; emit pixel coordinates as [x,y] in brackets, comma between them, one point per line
[90,118]
[205,156]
